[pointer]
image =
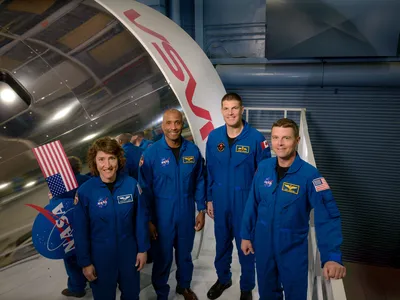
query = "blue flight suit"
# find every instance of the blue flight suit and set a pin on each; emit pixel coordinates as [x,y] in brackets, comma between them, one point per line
[230,173]
[109,230]
[171,189]
[144,144]
[132,155]
[76,280]
[276,220]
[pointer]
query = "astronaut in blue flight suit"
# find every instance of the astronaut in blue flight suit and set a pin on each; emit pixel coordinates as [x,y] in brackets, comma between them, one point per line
[139,140]
[172,177]
[76,280]
[276,219]
[233,152]
[132,154]
[110,225]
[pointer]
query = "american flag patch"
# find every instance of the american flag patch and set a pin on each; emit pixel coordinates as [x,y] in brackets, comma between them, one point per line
[264,145]
[320,184]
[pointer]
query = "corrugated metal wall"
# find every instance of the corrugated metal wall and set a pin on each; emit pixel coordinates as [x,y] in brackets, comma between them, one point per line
[355,134]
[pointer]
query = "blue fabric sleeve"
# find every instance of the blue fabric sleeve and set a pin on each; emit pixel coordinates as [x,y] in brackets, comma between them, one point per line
[142,227]
[327,223]
[200,193]
[251,211]
[81,226]
[262,153]
[210,180]
[146,183]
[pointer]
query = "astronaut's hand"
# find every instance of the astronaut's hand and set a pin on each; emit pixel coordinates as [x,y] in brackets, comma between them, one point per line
[200,220]
[247,247]
[334,270]
[210,209]
[153,231]
[90,273]
[141,259]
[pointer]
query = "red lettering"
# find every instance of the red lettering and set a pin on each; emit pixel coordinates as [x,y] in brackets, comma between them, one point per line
[176,69]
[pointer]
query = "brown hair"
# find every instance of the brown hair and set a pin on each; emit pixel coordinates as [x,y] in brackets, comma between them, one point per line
[109,146]
[287,123]
[76,164]
[232,96]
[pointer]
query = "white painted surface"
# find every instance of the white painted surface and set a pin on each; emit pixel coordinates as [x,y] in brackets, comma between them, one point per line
[186,68]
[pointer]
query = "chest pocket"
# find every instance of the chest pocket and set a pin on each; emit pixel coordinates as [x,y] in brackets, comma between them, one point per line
[242,154]
[163,174]
[290,193]
[101,211]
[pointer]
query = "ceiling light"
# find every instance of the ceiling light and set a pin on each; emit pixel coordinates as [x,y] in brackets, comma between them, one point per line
[62,113]
[8,95]
[89,137]
[29,184]
[4,185]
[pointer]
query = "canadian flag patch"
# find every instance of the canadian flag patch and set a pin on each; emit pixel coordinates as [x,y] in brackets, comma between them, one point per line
[264,145]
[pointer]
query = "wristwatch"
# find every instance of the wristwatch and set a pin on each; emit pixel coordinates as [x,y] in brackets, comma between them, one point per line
[203,211]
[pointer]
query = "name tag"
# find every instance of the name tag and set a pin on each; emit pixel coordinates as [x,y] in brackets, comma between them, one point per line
[188,160]
[243,149]
[290,188]
[125,199]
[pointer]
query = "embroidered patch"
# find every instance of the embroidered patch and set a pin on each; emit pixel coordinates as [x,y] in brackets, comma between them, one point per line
[243,149]
[290,188]
[124,199]
[102,203]
[320,184]
[164,162]
[76,199]
[139,189]
[188,159]
[264,145]
[268,182]
[141,161]
[221,147]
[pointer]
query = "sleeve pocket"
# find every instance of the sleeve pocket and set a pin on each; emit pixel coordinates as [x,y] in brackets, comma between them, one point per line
[332,208]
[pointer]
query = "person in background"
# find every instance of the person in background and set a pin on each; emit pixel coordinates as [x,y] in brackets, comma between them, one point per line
[76,280]
[276,219]
[139,140]
[110,224]
[132,154]
[172,177]
[233,152]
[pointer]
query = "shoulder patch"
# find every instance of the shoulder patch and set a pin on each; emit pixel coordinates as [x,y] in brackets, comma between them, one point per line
[320,184]
[264,145]
[76,199]
[141,161]
[139,189]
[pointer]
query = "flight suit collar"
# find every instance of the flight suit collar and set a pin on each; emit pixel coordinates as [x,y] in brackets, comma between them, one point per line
[118,182]
[242,135]
[165,145]
[295,166]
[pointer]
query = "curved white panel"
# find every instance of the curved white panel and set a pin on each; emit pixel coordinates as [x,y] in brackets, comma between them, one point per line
[186,68]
